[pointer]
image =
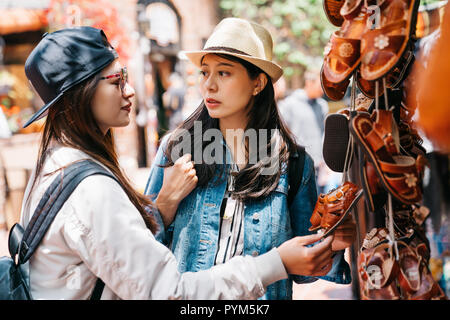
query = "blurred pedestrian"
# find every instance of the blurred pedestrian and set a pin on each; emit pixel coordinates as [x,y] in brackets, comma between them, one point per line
[236,208]
[304,112]
[104,229]
[173,100]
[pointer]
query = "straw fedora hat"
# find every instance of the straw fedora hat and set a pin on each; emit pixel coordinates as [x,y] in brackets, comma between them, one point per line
[243,39]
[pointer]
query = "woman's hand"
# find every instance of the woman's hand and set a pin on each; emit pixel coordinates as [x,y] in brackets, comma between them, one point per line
[179,180]
[345,234]
[307,261]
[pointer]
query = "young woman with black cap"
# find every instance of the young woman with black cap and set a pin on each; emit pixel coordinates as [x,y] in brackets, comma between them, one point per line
[103,229]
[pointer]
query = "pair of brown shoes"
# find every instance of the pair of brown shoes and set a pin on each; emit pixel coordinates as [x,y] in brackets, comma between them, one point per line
[375,40]
[332,208]
[386,276]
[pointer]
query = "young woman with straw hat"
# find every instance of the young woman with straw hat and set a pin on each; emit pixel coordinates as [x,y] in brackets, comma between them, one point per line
[239,148]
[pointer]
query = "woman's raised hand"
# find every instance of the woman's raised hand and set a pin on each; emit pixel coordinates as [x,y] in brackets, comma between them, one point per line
[307,261]
[179,180]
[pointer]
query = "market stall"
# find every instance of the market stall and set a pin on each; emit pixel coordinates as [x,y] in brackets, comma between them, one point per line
[376,143]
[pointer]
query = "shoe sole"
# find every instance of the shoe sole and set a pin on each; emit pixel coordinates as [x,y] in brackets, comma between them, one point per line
[335,142]
[350,207]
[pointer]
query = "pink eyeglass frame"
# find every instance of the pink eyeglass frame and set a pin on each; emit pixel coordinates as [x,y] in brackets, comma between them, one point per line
[123,75]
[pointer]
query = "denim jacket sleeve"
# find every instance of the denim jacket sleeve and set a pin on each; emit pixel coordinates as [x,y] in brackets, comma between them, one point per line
[154,184]
[300,211]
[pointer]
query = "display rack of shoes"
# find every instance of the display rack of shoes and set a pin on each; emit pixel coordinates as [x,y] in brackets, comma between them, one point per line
[375,145]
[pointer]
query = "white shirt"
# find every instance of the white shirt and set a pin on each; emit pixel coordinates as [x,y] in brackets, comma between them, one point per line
[231,238]
[99,233]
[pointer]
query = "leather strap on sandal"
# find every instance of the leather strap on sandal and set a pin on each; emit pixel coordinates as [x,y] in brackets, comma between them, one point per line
[345,50]
[388,267]
[332,10]
[382,131]
[403,177]
[318,212]
[351,9]
[409,279]
[403,164]
[331,207]
[337,202]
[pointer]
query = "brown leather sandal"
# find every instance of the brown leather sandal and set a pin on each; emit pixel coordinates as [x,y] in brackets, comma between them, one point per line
[428,289]
[383,277]
[334,91]
[378,139]
[343,51]
[333,207]
[409,273]
[382,48]
[332,8]
[393,79]
[336,10]
[377,270]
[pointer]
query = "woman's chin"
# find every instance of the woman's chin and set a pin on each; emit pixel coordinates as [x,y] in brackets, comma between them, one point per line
[121,124]
[215,114]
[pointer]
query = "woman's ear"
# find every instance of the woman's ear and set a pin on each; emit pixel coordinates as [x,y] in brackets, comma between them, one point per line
[260,84]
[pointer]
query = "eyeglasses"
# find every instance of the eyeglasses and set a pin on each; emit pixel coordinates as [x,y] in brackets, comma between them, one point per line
[123,75]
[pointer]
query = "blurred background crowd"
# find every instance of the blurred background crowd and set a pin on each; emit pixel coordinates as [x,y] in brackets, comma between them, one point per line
[149,35]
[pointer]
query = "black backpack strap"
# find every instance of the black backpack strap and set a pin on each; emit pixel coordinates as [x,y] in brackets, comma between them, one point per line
[98,290]
[14,239]
[295,172]
[48,200]
[52,201]
[54,198]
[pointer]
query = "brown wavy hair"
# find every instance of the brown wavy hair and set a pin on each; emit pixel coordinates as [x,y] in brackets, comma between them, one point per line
[71,123]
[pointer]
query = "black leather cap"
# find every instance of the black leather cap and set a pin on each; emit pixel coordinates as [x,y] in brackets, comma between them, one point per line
[63,59]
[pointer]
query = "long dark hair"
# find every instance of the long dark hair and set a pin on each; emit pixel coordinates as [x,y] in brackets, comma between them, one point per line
[71,122]
[262,114]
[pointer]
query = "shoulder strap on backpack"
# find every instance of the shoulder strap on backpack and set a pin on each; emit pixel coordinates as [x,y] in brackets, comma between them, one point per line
[295,172]
[53,200]
[98,290]
[24,242]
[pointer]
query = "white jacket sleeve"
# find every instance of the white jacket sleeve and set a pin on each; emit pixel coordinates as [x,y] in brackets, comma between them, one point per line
[110,236]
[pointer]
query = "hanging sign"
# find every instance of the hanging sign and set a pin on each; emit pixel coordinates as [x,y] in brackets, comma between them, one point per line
[163,24]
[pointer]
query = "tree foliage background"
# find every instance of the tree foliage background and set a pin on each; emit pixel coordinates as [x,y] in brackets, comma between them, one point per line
[300,29]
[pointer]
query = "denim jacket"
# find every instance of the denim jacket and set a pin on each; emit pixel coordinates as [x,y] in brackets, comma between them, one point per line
[193,236]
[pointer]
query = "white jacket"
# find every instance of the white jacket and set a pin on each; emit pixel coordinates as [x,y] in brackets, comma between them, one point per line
[99,233]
